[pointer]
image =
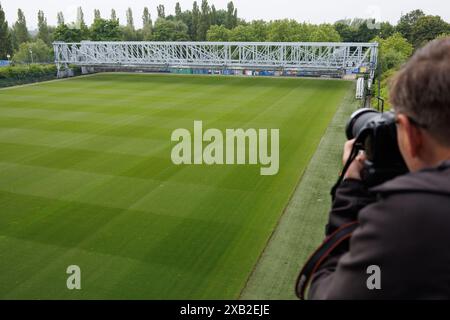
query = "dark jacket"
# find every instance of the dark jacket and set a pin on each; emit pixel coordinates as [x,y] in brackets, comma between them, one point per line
[404,229]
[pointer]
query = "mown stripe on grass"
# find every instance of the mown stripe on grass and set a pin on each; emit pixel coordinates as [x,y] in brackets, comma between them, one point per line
[132,166]
[109,190]
[83,141]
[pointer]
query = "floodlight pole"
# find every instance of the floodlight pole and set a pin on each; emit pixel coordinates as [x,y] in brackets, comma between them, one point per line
[31,53]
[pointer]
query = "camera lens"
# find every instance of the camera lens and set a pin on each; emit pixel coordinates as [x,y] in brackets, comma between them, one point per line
[358,121]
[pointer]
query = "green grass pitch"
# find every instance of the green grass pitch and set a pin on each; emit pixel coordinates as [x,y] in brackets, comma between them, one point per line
[86,179]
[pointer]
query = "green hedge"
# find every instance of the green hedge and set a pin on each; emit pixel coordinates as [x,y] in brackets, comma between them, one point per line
[21,74]
[385,79]
[27,71]
[76,69]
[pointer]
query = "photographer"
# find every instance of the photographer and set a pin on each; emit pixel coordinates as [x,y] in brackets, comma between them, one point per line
[403,224]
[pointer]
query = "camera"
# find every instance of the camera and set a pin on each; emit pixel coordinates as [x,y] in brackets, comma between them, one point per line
[375,133]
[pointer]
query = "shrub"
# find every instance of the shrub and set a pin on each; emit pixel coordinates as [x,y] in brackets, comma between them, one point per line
[34,71]
[41,52]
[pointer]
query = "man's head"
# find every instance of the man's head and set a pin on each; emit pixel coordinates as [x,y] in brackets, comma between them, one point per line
[420,94]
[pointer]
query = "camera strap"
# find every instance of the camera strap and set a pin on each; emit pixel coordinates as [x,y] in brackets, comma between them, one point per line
[318,257]
[357,146]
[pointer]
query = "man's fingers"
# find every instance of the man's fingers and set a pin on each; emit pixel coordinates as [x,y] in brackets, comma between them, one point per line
[354,170]
[361,157]
[347,150]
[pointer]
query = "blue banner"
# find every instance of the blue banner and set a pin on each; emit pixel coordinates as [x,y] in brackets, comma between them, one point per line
[4,63]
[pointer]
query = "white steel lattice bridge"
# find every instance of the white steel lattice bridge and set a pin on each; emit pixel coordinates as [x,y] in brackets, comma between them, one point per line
[319,56]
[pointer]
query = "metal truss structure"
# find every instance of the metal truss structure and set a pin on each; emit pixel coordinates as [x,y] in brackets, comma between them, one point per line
[339,57]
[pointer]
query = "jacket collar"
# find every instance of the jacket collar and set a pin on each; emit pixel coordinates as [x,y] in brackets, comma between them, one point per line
[430,180]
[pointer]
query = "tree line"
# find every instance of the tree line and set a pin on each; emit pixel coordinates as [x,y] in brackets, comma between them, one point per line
[206,23]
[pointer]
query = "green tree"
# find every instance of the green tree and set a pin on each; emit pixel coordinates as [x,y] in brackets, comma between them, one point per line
[398,43]
[60,18]
[51,32]
[20,29]
[356,22]
[260,30]
[289,31]
[66,34]
[304,32]
[325,33]
[114,15]
[205,21]
[428,28]
[105,30]
[171,17]
[195,21]
[213,15]
[242,33]
[168,30]
[97,14]
[130,20]
[386,30]
[407,22]
[363,32]
[393,51]
[5,36]
[360,30]
[178,11]
[161,11]
[218,33]
[221,17]
[231,19]
[129,32]
[345,30]
[186,18]
[36,52]
[81,24]
[43,32]
[147,25]
[281,30]
[181,31]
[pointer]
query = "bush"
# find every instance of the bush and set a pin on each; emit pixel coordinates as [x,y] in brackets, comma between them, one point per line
[41,52]
[27,71]
[393,51]
[20,74]
[384,93]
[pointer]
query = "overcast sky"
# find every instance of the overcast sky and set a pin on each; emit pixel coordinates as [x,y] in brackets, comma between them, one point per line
[314,11]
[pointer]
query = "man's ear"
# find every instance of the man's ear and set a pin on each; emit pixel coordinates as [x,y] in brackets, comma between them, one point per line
[413,139]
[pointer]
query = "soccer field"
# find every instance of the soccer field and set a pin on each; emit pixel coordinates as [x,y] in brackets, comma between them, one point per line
[86,179]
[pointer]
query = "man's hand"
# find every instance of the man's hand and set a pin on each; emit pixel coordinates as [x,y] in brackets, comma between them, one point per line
[354,170]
